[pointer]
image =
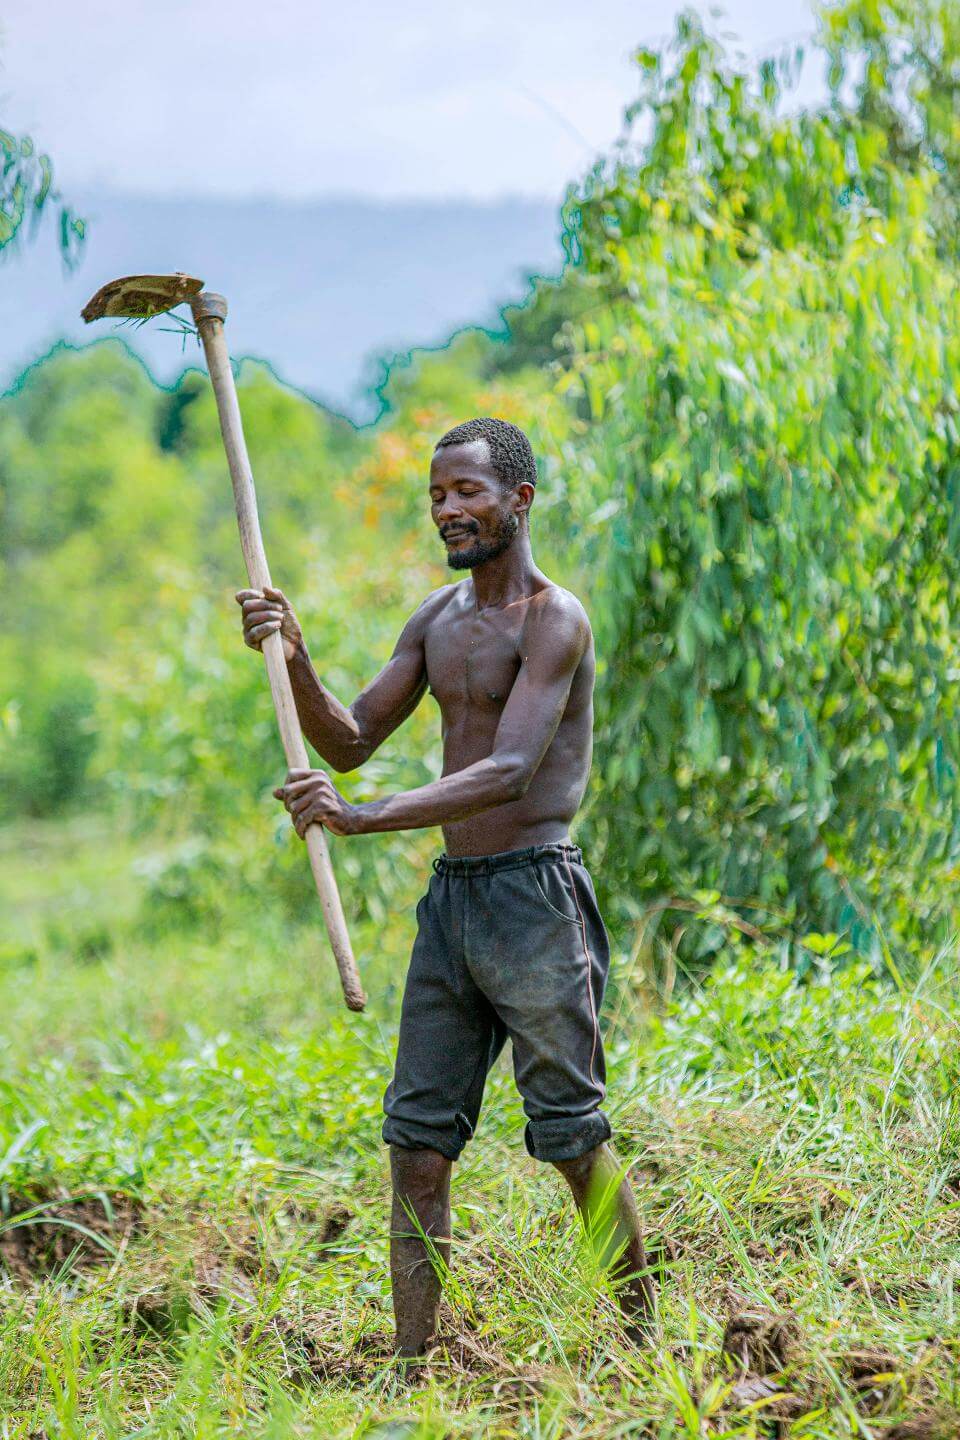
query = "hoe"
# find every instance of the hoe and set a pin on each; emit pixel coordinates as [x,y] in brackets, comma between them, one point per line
[141,297]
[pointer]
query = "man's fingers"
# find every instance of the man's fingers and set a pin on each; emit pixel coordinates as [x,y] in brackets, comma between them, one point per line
[299,807]
[305,806]
[275,594]
[257,632]
[253,608]
[242,595]
[303,787]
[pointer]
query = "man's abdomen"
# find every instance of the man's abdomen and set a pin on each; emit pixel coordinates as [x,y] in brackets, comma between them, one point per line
[541,816]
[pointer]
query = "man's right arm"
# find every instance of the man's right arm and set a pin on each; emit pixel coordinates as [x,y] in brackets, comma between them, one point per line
[343,736]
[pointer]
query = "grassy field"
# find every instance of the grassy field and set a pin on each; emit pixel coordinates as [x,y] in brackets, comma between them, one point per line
[194,1195]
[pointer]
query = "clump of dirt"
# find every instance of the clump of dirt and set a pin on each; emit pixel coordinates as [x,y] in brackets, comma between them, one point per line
[328,1223]
[163,1311]
[40,1236]
[778,1403]
[761,1341]
[873,1375]
[245,1249]
[335,1222]
[763,1252]
[214,1278]
[926,1425]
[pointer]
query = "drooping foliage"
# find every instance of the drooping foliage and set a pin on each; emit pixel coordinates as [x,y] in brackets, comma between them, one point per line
[27,194]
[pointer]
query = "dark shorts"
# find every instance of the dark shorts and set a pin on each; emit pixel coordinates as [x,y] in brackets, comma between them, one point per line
[508,945]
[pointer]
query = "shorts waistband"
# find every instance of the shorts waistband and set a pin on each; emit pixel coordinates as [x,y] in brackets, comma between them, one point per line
[505,859]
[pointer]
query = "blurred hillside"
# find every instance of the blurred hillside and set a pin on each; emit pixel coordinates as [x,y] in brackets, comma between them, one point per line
[320,290]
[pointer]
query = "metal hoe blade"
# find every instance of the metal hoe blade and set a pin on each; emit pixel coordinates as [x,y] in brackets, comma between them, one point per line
[141,296]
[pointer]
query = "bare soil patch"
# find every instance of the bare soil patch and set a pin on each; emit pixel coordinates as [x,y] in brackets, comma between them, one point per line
[43,1235]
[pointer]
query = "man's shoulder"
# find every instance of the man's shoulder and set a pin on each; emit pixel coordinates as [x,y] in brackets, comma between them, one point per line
[557,606]
[556,626]
[436,602]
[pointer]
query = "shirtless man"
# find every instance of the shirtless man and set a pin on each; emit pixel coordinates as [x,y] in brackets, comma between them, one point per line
[510,942]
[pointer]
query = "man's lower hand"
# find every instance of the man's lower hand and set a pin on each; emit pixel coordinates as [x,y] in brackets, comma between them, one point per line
[313,799]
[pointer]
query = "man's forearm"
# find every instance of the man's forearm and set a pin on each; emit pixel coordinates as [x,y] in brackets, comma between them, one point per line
[489,782]
[330,727]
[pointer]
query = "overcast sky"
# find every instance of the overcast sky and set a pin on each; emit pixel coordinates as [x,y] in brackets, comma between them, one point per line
[302,98]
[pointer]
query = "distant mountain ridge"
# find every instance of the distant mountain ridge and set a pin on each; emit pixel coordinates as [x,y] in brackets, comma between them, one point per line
[319,289]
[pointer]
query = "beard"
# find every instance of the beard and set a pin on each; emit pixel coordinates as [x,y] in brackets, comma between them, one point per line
[482,550]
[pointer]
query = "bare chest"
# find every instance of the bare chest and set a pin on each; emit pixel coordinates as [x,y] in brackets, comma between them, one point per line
[474,660]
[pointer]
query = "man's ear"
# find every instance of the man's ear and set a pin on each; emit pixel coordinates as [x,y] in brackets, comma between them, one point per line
[525,494]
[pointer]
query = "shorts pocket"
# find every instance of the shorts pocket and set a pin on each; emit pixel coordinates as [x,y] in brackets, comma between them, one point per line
[553,886]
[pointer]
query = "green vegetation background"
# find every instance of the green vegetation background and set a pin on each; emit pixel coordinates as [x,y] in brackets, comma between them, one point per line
[743,398]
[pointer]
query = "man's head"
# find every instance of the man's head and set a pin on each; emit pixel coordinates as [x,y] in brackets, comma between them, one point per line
[482,480]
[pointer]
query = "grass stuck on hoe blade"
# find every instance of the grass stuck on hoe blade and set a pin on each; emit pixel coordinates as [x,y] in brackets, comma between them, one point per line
[141,297]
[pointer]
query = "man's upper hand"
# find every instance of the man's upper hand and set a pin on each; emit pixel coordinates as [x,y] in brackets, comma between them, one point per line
[313,799]
[265,611]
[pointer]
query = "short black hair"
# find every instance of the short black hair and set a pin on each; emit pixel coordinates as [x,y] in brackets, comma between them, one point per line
[511,454]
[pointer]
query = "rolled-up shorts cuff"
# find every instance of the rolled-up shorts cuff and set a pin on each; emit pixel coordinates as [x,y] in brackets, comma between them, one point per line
[410,1135]
[566,1137]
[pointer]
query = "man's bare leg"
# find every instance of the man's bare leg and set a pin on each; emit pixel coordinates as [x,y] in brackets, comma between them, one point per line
[421,1182]
[591,1177]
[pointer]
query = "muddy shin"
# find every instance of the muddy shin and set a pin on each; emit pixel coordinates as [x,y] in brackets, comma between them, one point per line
[143,296]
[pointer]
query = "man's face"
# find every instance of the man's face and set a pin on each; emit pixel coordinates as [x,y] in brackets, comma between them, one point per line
[476,520]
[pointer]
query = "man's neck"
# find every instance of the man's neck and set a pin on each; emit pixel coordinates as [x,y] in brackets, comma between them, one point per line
[508,578]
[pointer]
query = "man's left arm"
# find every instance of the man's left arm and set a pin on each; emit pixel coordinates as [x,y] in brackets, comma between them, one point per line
[554,639]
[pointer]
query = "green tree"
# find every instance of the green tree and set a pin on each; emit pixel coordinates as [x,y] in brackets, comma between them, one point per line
[762,493]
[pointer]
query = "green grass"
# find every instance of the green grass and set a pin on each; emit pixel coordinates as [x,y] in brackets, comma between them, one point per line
[795,1146]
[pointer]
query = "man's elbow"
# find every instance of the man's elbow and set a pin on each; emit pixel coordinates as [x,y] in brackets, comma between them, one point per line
[348,755]
[355,750]
[350,758]
[514,776]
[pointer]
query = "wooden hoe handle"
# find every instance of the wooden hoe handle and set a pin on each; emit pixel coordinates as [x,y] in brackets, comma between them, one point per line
[209,313]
